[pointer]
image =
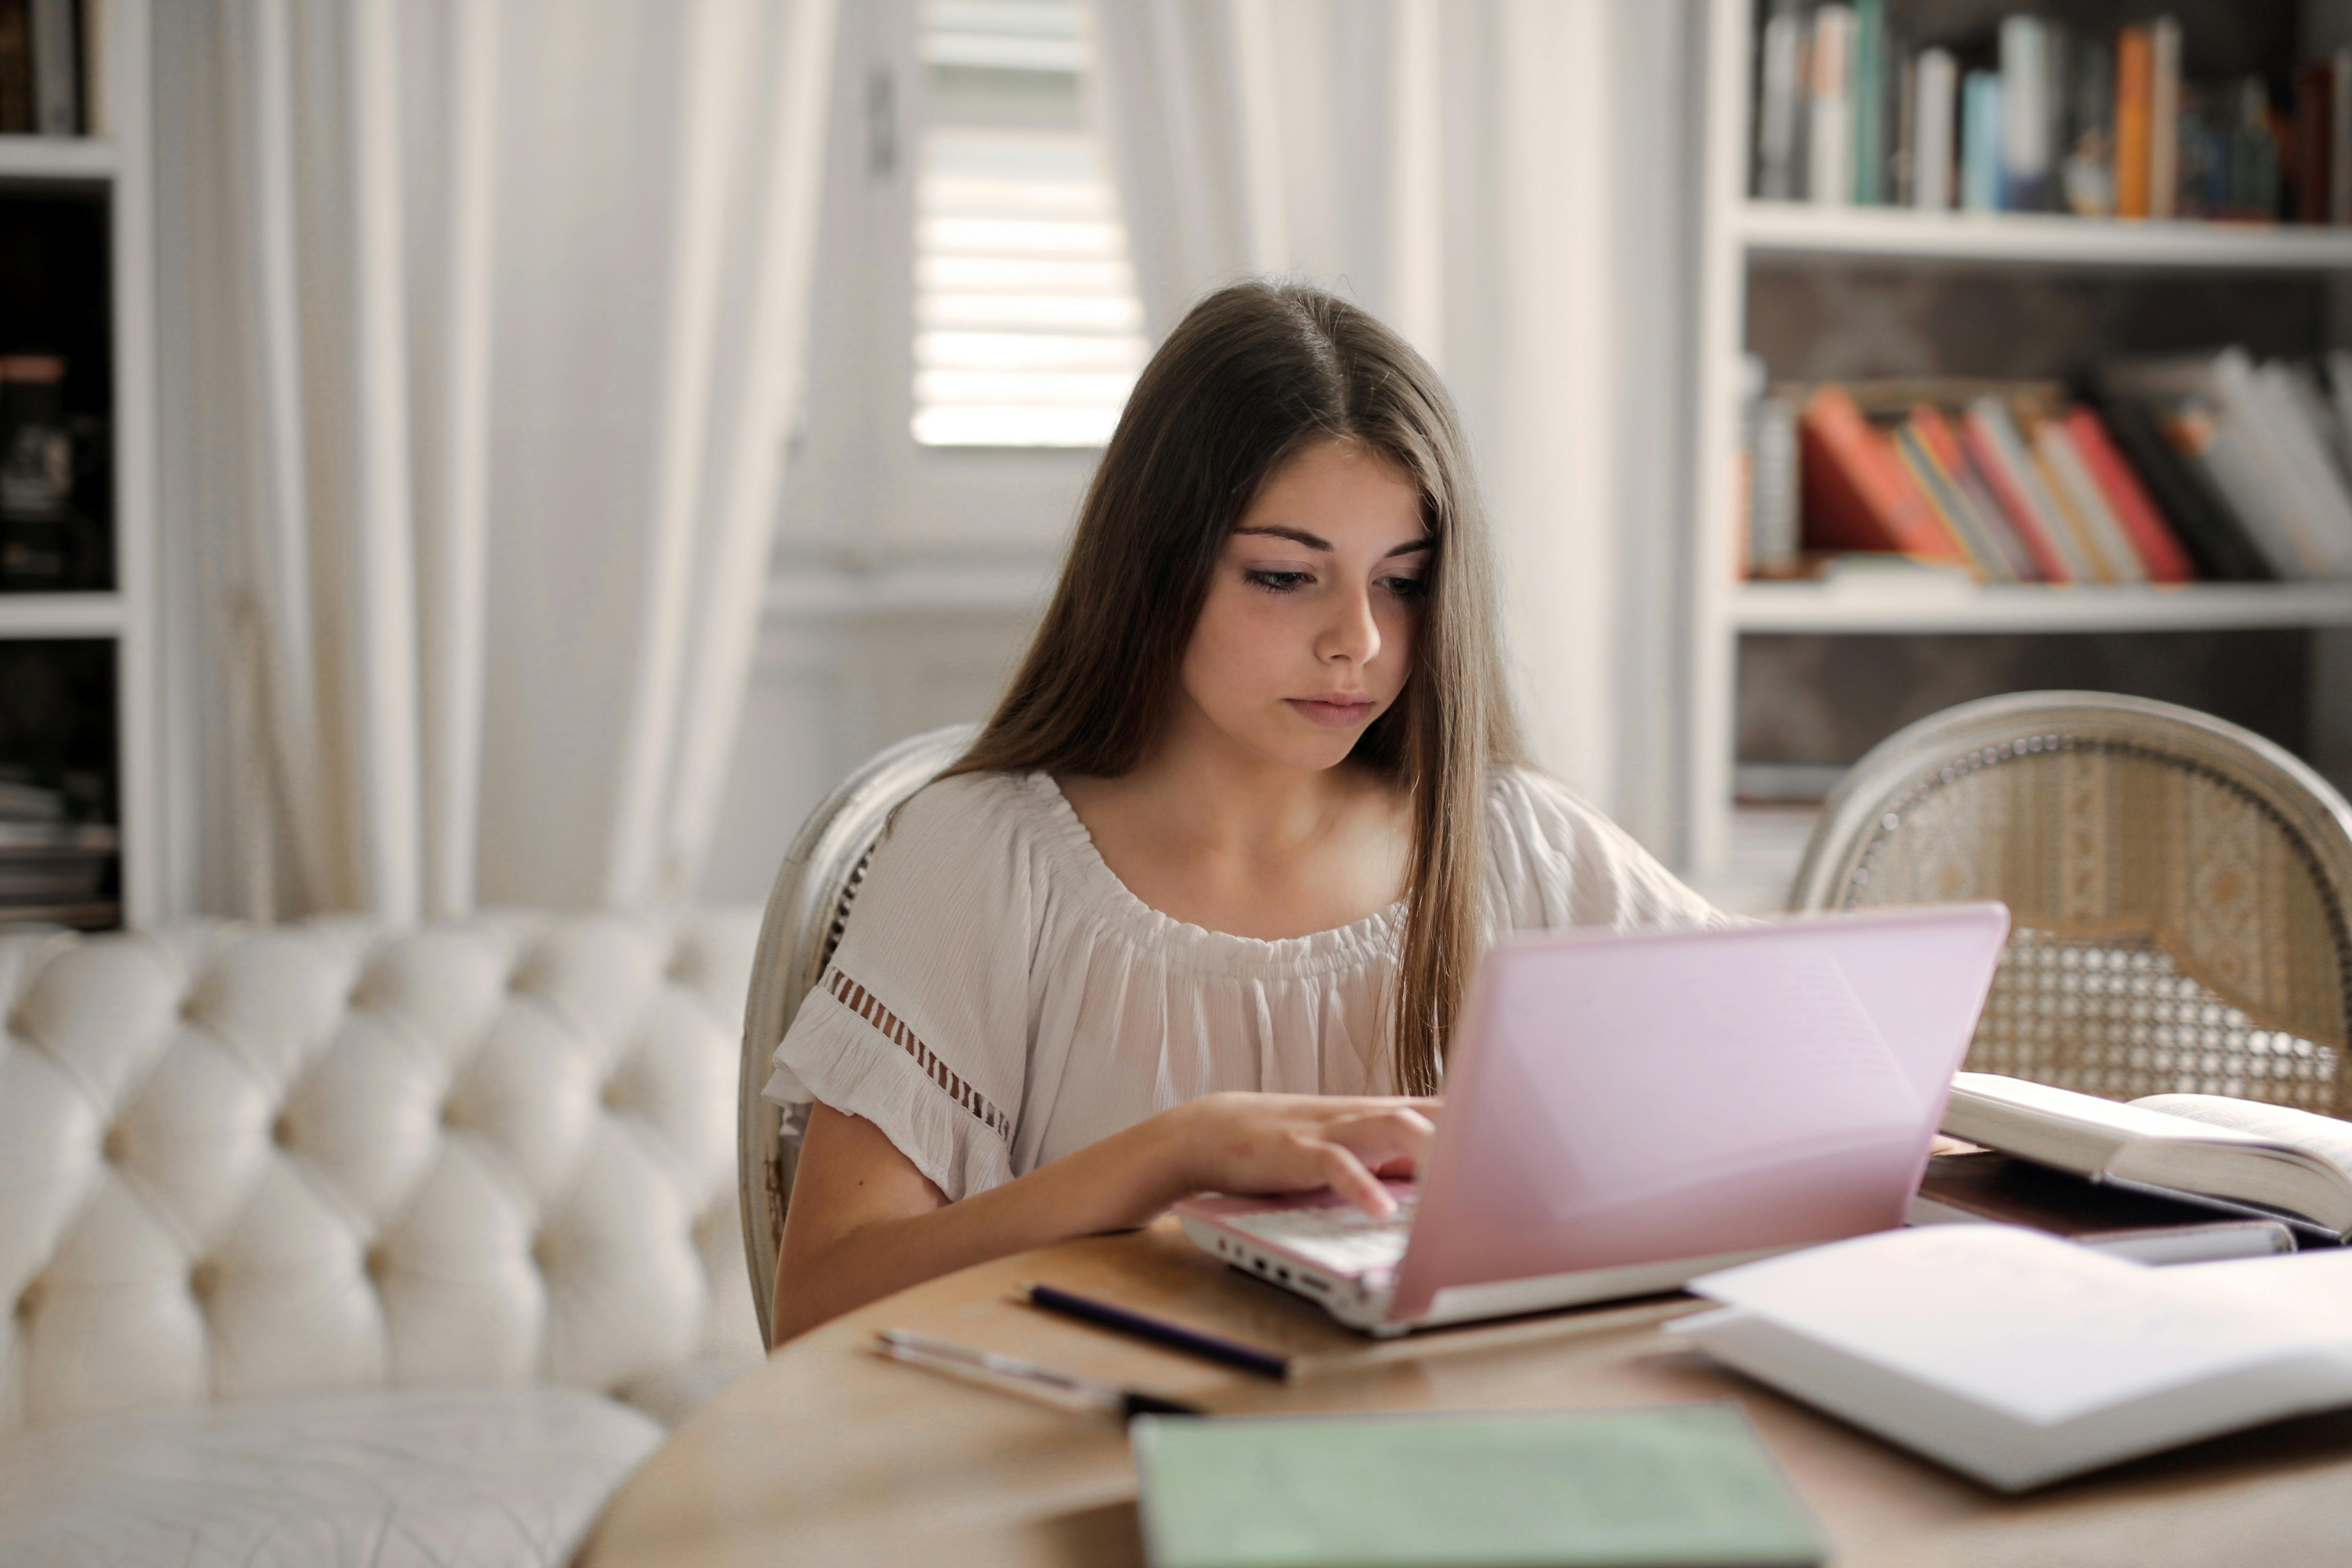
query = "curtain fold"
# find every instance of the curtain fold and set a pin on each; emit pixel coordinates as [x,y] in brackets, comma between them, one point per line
[1459,168]
[518,289]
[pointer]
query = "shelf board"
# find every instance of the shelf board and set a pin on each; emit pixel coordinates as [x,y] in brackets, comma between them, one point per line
[25,615]
[81,159]
[1792,229]
[1937,606]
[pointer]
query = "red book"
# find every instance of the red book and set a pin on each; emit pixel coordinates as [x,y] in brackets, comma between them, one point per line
[2019,506]
[2152,539]
[1857,494]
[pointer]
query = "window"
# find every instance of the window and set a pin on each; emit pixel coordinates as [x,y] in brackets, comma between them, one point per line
[1028,331]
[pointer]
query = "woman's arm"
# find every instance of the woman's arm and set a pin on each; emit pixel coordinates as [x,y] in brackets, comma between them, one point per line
[864,1222]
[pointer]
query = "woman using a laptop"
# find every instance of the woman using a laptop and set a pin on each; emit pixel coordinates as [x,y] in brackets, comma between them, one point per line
[1195,911]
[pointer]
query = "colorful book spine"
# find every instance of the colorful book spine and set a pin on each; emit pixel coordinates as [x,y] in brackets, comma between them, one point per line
[1857,495]
[2080,495]
[2163,117]
[2314,141]
[1779,99]
[1937,112]
[1987,518]
[2134,86]
[2026,113]
[1980,142]
[1829,136]
[1870,83]
[1950,506]
[2158,547]
[1992,439]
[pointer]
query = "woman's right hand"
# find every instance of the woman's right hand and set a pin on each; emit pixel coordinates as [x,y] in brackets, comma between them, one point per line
[1278,1143]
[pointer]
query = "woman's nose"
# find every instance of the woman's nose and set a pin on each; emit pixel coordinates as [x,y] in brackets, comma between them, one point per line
[1351,634]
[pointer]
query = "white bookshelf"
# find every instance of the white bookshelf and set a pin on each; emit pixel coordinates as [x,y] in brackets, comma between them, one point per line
[1962,608]
[1790,230]
[1737,233]
[119,167]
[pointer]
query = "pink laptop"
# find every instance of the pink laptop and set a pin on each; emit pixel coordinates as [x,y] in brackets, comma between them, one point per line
[1626,1112]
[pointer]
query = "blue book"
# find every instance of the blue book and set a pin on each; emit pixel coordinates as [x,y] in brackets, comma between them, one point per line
[1980,142]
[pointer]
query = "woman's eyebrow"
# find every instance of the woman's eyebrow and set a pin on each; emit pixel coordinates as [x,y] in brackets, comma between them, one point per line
[1316,542]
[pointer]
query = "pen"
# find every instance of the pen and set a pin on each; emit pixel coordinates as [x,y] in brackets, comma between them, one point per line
[1065,1390]
[1232,1352]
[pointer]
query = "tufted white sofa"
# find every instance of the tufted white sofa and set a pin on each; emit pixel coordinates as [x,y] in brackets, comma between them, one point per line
[329,1244]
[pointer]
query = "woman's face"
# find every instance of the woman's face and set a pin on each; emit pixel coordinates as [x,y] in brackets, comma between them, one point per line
[1306,635]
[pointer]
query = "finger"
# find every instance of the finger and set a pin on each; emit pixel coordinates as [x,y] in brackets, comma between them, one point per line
[1391,1145]
[1346,1175]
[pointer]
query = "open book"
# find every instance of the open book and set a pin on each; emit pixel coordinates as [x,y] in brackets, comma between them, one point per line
[2224,1153]
[2018,1358]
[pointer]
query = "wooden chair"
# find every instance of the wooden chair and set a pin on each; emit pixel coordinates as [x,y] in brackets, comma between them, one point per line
[2180,889]
[807,911]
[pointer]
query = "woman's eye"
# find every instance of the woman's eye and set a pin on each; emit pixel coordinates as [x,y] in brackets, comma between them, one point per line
[1405,587]
[1278,581]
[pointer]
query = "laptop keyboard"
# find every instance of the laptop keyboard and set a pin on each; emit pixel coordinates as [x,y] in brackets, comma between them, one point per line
[1342,1238]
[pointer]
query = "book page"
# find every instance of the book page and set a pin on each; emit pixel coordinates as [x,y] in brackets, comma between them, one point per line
[2075,1131]
[2036,1327]
[2315,1286]
[2323,1136]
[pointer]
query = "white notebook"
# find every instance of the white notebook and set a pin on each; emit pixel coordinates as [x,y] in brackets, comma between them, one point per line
[2018,1358]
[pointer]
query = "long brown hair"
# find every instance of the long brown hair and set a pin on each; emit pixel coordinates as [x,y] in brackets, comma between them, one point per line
[1253,374]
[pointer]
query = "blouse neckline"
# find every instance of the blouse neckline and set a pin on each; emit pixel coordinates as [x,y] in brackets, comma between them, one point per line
[1367,941]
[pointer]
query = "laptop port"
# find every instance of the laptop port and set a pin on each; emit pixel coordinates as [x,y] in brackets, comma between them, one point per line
[1282,1274]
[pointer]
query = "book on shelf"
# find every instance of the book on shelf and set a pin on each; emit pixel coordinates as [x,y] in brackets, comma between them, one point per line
[2214,1151]
[2211,467]
[1986,1187]
[2004,480]
[50,56]
[2019,1359]
[2263,439]
[1857,105]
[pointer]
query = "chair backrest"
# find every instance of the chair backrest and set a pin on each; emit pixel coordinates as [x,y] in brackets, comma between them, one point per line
[807,911]
[2180,889]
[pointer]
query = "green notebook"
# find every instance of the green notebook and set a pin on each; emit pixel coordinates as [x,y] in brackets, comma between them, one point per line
[1687,1485]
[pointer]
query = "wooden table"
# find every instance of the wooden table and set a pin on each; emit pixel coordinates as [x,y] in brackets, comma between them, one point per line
[830,1454]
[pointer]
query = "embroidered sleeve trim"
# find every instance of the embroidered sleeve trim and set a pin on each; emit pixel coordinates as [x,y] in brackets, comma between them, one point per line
[869,1006]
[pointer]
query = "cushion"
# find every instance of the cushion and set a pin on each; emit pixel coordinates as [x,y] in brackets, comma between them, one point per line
[510,1478]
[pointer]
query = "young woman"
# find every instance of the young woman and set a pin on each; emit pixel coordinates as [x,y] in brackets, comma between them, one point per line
[1196,909]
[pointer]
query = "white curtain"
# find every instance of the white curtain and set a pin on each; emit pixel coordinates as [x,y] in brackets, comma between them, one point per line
[1501,180]
[496,315]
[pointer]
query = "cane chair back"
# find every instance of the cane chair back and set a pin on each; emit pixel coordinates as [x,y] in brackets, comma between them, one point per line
[2179,890]
[807,911]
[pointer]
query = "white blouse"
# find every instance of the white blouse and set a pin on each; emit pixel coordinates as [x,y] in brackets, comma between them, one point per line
[999,998]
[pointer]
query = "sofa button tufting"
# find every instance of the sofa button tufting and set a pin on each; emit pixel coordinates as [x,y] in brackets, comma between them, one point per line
[116,1146]
[203,1280]
[30,1301]
[452,1114]
[616,1095]
[543,1249]
[378,1262]
[281,1131]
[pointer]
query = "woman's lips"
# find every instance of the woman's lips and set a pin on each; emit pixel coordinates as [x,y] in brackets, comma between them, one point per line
[1337,715]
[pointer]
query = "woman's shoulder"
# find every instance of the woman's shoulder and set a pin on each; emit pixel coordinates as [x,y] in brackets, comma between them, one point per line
[1005,822]
[1559,860]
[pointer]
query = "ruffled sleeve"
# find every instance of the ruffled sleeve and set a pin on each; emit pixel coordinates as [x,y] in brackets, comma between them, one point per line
[1558,862]
[920,1024]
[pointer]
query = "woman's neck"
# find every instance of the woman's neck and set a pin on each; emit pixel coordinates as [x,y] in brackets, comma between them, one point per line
[1210,834]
